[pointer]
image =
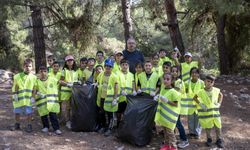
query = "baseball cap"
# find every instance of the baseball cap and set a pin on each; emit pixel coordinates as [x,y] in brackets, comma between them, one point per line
[188,54]
[69,57]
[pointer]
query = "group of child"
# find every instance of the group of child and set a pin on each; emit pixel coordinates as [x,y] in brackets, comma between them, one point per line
[175,86]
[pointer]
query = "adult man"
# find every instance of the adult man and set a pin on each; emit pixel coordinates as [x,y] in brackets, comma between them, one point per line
[133,55]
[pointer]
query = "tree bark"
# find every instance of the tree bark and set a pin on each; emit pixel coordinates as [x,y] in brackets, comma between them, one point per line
[38,37]
[222,47]
[127,23]
[173,26]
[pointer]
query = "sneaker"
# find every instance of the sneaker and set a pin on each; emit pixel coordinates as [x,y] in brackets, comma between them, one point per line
[172,148]
[29,128]
[219,143]
[165,147]
[58,132]
[15,127]
[197,137]
[183,144]
[68,124]
[209,142]
[45,130]
[108,132]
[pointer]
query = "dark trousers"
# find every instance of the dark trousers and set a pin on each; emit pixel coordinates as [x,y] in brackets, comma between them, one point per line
[53,120]
[181,129]
[105,119]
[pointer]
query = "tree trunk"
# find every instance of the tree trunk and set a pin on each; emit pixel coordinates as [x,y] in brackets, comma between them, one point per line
[173,26]
[38,37]
[222,47]
[127,23]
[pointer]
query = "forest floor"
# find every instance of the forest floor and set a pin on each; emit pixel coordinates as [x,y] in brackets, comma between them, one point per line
[234,111]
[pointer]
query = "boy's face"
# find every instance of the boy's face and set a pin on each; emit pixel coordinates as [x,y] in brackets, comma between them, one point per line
[195,74]
[98,70]
[209,83]
[138,68]
[124,66]
[148,67]
[155,60]
[50,61]
[99,57]
[188,59]
[167,80]
[91,63]
[27,67]
[118,57]
[83,64]
[162,54]
[43,73]
[166,69]
[108,69]
[175,72]
[55,67]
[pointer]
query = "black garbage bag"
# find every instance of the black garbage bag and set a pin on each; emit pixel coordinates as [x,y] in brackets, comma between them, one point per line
[138,120]
[84,108]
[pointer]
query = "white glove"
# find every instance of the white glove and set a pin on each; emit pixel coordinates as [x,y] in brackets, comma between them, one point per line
[32,99]
[95,84]
[134,93]
[114,102]
[203,106]
[164,99]
[40,94]
[69,84]
[124,93]
[156,98]
[217,104]
[139,91]
[79,82]
[152,93]
[15,97]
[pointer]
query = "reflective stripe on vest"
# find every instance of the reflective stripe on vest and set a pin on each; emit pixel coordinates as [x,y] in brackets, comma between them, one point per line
[185,69]
[148,85]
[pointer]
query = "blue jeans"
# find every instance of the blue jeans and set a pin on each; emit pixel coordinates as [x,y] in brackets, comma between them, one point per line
[181,129]
[194,126]
[24,110]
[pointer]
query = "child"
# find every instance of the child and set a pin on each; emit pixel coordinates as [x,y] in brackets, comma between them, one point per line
[187,65]
[155,62]
[168,111]
[83,65]
[166,68]
[47,101]
[99,58]
[209,101]
[88,72]
[127,85]
[118,58]
[22,89]
[55,73]
[174,57]
[138,69]
[163,57]
[107,98]
[69,76]
[148,81]
[193,86]
[50,60]
[179,86]
[98,70]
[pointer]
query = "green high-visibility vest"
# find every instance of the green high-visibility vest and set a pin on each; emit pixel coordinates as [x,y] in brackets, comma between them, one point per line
[148,85]
[126,84]
[50,103]
[23,86]
[167,115]
[188,102]
[57,76]
[113,79]
[210,117]
[180,87]
[116,68]
[185,69]
[69,76]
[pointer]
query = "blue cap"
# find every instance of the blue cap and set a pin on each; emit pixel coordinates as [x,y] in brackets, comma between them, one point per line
[109,62]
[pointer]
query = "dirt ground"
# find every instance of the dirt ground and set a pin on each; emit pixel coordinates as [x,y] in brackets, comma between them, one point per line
[234,111]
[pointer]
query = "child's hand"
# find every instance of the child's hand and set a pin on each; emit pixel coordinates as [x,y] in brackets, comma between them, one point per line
[164,99]
[152,93]
[139,91]
[70,84]
[15,97]
[156,98]
[41,95]
[114,102]
[217,105]
[203,106]
[124,93]
[134,93]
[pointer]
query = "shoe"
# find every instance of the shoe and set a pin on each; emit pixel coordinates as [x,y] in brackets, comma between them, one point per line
[165,147]
[45,130]
[197,137]
[172,148]
[219,143]
[101,130]
[183,144]
[68,124]
[58,132]
[108,132]
[29,128]
[15,127]
[209,142]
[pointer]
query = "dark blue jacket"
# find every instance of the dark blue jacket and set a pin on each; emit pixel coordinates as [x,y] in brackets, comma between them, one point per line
[133,58]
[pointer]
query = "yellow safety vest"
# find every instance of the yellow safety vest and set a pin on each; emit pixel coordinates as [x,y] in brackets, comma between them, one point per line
[50,103]
[23,86]
[110,92]
[210,117]
[102,64]
[185,69]
[58,75]
[116,68]
[126,84]
[180,87]
[158,70]
[189,103]
[69,76]
[148,85]
[162,60]
[167,115]
[80,74]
